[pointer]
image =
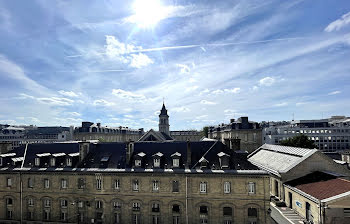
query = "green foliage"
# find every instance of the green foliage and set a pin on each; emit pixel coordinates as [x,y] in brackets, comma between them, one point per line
[204,132]
[301,141]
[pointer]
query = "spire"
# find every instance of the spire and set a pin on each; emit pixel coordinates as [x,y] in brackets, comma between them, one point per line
[163,111]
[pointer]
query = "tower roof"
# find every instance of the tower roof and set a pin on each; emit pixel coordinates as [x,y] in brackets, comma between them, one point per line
[163,111]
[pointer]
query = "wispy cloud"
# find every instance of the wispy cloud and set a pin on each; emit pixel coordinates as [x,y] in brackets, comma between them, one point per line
[69,93]
[128,95]
[334,92]
[339,23]
[267,81]
[102,102]
[206,102]
[283,104]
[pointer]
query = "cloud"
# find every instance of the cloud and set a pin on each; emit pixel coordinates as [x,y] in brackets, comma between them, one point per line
[69,93]
[234,90]
[128,116]
[206,102]
[255,88]
[339,23]
[102,102]
[126,53]
[300,104]
[283,104]
[181,109]
[128,95]
[204,92]
[229,111]
[334,93]
[191,88]
[56,101]
[267,81]
[184,68]
[74,114]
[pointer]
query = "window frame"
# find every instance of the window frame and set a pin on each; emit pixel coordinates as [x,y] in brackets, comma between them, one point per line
[251,188]
[203,187]
[227,187]
[47,183]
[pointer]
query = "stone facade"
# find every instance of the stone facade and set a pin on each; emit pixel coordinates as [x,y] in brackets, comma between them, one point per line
[188,197]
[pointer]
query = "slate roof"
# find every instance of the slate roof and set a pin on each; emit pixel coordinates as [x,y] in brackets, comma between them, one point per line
[279,159]
[321,185]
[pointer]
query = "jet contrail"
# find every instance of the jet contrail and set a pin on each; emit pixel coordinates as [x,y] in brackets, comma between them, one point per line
[202,46]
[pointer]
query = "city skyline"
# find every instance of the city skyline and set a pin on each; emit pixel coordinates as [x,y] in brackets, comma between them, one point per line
[62,63]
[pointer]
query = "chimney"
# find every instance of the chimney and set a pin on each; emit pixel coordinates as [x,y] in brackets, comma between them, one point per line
[129,151]
[98,125]
[232,120]
[189,155]
[236,144]
[84,148]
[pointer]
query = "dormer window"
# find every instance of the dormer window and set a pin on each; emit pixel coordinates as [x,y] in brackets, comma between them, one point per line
[137,162]
[53,161]
[156,162]
[203,163]
[69,161]
[176,162]
[37,161]
[0,161]
[224,160]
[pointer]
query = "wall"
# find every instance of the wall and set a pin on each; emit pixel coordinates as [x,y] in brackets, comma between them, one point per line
[215,198]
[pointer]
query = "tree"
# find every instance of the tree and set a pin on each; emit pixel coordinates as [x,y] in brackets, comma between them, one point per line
[301,141]
[205,131]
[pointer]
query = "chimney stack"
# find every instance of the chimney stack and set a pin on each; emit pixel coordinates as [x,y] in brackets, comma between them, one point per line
[84,148]
[129,151]
[189,155]
[236,144]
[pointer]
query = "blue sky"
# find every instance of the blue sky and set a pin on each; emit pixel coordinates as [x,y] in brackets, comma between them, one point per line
[63,62]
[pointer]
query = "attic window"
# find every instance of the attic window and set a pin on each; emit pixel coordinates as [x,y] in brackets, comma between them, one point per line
[69,161]
[52,161]
[156,162]
[176,162]
[37,161]
[203,163]
[138,162]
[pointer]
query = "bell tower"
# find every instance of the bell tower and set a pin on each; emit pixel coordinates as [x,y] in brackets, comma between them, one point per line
[164,121]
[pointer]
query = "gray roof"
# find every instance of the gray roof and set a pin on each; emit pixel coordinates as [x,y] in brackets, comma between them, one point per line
[279,159]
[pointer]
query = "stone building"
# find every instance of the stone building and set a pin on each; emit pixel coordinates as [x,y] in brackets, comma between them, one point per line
[238,135]
[91,131]
[297,184]
[136,182]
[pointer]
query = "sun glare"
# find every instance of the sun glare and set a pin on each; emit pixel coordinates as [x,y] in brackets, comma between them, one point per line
[148,12]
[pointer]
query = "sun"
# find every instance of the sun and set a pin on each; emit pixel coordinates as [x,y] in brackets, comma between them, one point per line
[147,13]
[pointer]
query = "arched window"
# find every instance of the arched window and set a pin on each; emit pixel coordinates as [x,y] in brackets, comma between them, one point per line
[228,214]
[9,201]
[203,214]
[252,212]
[176,208]
[176,213]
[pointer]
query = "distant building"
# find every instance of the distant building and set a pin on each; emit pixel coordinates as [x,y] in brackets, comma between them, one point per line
[305,183]
[19,135]
[91,131]
[238,135]
[136,182]
[331,134]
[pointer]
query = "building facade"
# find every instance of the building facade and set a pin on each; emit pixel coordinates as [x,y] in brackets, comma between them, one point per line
[141,182]
[238,135]
[331,134]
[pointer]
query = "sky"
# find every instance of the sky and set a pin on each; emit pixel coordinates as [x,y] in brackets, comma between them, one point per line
[114,62]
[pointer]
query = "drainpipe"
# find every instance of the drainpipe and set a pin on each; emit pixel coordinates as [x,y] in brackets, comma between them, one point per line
[186,201]
[21,194]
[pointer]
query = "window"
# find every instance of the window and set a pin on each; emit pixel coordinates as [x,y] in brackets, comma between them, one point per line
[156,162]
[227,211]
[176,219]
[203,187]
[203,209]
[99,183]
[46,215]
[175,186]
[98,204]
[30,202]
[136,206]
[155,207]
[63,183]
[9,202]
[63,215]
[117,218]
[9,214]
[346,212]
[155,185]
[30,182]
[46,183]
[37,161]
[136,218]
[203,214]
[53,161]
[30,215]
[47,202]
[81,183]
[176,209]
[251,188]
[117,205]
[252,212]
[155,219]
[135,185]
[69,161]
[176,162]
[137,162]
[117,184]
[227,187]
[9,182]
[64,203]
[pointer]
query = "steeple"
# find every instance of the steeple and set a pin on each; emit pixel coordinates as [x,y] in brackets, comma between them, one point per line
[164,120]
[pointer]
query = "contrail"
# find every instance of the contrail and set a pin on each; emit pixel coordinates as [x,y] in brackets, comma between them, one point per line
[202,46]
